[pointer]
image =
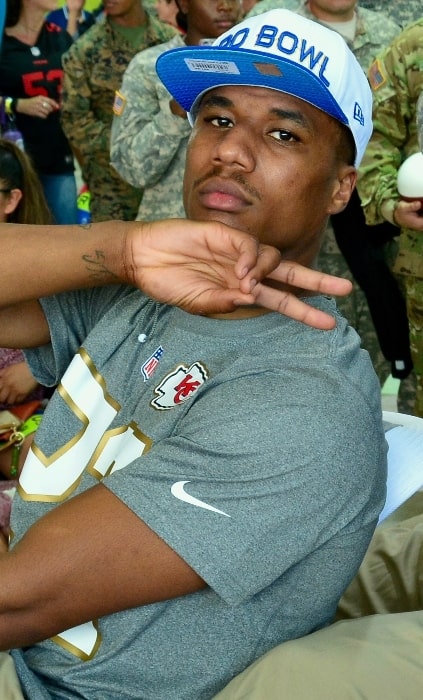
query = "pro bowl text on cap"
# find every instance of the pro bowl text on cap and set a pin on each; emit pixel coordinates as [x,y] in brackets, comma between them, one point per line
[283,51]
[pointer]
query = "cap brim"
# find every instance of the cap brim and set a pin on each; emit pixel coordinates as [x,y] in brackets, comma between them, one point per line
[189,72]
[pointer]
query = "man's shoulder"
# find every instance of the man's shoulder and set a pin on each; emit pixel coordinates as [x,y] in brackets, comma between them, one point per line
[405,51]
[92,39]
[159,31]
[148,56]
[378,25]
[266,5]
[411,38]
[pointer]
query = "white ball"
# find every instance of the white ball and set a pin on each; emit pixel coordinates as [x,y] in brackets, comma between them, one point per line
[410,177]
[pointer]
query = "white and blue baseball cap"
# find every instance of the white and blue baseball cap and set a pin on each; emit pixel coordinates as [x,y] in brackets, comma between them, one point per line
[283,51]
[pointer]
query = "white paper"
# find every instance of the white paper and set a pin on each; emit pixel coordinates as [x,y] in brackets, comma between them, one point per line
[404,435]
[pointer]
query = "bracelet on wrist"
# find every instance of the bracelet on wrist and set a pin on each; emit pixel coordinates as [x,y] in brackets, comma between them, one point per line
[10,105]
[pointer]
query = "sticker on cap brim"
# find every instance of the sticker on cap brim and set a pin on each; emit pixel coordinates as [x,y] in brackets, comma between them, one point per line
[209,66]
[377,77]
[119,103]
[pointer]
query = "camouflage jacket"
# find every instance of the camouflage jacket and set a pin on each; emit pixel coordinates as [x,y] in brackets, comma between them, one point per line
[265,5]
[396,77]
[402,12]
[374,30]
[148,142]
[93,70]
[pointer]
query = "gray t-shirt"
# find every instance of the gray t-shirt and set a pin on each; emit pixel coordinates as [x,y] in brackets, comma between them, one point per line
[254,448]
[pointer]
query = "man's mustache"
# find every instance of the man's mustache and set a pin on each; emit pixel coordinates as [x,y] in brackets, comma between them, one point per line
[236,177]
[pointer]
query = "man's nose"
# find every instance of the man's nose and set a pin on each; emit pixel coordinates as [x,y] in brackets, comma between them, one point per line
[236,148]
[229,5]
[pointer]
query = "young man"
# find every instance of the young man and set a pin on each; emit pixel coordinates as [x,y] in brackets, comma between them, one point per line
[93,69]
[204,485]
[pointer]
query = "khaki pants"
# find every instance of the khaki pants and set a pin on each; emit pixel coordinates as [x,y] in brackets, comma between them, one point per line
[10,688]
[375,657]
[373,652]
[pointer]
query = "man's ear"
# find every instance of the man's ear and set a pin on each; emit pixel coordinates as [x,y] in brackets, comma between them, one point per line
[344,187]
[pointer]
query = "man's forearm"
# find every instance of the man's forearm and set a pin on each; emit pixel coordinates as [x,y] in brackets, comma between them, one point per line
[39,261]
[204,268]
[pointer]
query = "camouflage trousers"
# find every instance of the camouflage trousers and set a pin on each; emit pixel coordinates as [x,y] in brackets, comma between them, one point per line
[414,297]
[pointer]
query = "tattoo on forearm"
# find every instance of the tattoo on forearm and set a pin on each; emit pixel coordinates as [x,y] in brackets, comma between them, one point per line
[96,266]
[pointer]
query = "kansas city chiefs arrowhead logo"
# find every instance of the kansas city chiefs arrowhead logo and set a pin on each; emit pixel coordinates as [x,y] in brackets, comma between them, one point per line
[179,385]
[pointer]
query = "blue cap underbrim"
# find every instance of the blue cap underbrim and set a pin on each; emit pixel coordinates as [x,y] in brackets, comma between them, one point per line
[189,72]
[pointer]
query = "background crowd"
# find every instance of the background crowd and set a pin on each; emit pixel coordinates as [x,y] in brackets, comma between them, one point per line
[79,86]
[81,99]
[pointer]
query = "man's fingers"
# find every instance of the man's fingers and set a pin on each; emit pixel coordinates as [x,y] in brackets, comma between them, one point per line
[268,264]
[301,277]
[289,305]
[255,261]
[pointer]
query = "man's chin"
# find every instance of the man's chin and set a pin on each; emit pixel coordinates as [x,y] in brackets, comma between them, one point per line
[223,217]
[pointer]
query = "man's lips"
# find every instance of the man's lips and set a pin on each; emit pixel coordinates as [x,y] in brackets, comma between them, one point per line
[223,24]
[224,195]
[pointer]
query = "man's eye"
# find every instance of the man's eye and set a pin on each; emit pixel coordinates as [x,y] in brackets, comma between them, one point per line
[282,135]
[220,121]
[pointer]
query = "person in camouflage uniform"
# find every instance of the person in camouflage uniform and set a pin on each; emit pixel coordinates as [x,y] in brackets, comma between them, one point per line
[373,31]
[265,5]
[370,34]
[396,77]
[402,12]
[93,70]
[150,130]
[148,141]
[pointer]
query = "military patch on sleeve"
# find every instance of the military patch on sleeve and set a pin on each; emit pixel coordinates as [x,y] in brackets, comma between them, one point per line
[119,104]
[377,77]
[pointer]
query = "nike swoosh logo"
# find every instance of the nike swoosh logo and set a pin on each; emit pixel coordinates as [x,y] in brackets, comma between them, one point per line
[178,490]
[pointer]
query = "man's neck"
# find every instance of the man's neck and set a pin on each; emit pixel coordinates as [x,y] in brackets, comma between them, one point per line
[241,313]
[343,15]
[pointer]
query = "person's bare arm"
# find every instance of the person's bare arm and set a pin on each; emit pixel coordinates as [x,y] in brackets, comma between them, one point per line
[89,557]
[16,382]
[208,268]
[54,259]
[75,8]
[23,325]
[202,267]
[51,259]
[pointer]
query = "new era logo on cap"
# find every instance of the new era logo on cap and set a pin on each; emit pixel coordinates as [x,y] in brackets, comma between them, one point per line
[282,51]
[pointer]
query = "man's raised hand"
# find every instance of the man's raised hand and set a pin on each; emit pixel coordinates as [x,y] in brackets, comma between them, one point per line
[208,268]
